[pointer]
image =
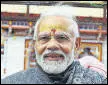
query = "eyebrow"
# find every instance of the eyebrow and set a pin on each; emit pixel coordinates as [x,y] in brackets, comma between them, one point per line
[60,33]
[66,34]
[43,33]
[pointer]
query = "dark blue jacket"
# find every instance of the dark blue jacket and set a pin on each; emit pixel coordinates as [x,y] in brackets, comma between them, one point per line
[78,75]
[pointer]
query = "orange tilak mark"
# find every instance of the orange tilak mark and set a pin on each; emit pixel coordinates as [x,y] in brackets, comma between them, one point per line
[53,32]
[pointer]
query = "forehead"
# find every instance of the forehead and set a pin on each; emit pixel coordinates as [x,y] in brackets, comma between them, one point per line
[59,23]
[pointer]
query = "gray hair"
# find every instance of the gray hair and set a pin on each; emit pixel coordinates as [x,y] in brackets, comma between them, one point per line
[61,10]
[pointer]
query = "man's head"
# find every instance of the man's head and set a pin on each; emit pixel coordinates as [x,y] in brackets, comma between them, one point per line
[55,39]
[87,50]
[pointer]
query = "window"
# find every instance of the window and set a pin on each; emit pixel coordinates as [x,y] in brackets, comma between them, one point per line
[14,23]
[4,22]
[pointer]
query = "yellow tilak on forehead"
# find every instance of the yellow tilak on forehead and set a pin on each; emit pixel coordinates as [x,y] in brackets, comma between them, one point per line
[50,27]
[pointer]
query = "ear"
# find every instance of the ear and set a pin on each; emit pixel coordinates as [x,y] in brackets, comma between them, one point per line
[77,43]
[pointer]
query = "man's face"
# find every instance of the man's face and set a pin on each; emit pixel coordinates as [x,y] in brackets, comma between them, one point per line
[54,45]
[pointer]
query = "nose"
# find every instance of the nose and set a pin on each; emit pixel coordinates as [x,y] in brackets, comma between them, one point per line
[53,45]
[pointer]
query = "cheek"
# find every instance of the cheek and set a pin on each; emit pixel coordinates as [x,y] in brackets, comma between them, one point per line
[67,48]
[39,48]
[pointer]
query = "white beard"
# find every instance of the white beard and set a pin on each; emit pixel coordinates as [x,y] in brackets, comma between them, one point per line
[55,67]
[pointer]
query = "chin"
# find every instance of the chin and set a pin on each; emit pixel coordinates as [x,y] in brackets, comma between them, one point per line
[54,67]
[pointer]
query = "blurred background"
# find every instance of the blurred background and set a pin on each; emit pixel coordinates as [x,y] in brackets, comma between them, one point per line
[17,27]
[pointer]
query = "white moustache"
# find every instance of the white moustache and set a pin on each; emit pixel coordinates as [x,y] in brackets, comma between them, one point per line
[58,53]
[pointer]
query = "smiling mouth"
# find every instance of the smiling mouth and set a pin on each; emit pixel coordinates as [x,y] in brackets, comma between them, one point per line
[53,57]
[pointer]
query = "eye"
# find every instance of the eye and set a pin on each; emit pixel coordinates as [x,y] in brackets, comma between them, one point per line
[43,39]
[62,38]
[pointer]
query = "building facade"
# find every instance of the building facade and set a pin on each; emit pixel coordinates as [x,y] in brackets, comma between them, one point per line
[93,34]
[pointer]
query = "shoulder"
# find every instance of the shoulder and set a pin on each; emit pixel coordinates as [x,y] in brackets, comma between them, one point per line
[93,76]
[89,76]
[31,75]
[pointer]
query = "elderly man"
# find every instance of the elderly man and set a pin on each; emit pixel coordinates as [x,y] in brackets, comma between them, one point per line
[55,38]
